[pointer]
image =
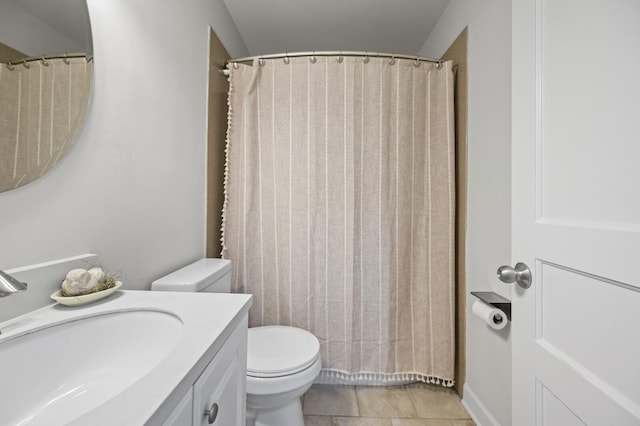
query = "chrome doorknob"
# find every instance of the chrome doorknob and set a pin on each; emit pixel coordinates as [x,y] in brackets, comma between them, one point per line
[521,274]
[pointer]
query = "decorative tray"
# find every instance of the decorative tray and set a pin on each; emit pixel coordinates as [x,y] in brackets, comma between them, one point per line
[84,298]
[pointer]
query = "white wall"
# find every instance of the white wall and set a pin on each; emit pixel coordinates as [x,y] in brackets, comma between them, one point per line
[488,384]
[132,189]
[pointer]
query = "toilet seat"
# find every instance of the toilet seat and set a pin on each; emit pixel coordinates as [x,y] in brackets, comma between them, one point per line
[275,351]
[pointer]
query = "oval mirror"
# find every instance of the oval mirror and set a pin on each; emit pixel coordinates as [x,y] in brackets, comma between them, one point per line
[46,70]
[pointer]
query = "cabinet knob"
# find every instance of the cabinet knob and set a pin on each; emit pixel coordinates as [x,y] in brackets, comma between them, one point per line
[212,413]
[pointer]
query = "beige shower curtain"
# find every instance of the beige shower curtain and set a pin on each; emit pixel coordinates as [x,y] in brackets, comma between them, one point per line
[42,107]
[339,209]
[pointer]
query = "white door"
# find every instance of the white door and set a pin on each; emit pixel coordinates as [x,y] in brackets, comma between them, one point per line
[576,212]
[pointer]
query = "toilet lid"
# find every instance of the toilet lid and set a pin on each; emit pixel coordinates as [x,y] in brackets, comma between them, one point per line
[280,350]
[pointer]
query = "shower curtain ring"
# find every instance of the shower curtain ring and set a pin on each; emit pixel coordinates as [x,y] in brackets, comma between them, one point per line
[439,65]
[286,58]
[340,58]
[44,61]
[261,62]
[25,64]
[417,62]
[393,59]
[366,57]
[66,59]
[10,66]
[313,58]
[236,66]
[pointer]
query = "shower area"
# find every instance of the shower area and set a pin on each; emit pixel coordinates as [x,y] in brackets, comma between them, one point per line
[339,205]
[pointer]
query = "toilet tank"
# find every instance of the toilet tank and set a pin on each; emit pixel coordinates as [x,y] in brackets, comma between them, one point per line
[207,275]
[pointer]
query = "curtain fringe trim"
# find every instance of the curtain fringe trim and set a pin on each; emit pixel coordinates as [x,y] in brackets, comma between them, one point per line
[380,379]
[226,168]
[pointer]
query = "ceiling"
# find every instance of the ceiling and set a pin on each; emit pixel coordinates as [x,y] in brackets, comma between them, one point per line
[69,17]
[391,26]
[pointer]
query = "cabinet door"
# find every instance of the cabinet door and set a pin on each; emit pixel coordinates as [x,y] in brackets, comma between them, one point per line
[183,412]
[221,387]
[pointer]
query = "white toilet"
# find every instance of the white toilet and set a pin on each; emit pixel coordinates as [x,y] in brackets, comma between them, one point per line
[282,361]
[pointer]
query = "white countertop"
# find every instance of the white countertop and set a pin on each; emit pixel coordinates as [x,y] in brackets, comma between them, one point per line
[208,320]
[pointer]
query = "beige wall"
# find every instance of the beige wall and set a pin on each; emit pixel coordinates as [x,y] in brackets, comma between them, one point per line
[457,53]
[216,137]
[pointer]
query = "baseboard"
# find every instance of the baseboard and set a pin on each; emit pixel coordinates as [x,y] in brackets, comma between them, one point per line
[478,412]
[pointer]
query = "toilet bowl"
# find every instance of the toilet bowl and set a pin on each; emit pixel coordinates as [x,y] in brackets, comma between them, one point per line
[282,361]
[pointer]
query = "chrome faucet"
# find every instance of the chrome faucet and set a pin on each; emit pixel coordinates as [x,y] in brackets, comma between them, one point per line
[10,285]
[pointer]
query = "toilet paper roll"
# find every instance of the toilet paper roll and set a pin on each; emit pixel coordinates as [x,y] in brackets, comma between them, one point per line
[496,318]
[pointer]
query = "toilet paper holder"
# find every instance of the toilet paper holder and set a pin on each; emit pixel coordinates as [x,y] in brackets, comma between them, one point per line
[495,300]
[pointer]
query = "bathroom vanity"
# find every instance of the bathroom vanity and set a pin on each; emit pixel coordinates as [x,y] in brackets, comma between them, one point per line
[218,395]
[136,357]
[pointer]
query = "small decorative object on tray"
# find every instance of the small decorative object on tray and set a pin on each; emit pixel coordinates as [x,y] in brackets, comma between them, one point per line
[82,286]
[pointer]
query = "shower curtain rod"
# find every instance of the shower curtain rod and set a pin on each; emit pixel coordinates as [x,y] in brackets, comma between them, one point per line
[25,61]
[391,56]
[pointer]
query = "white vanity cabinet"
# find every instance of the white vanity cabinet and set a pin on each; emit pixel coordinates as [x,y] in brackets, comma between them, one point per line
[218,395]
[170,356]
[183,413]
[219,392]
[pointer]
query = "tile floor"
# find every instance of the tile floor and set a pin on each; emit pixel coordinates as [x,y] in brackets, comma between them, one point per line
[416,404]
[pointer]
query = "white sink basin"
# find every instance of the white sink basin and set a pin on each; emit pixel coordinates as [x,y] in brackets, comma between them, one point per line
[128,359]
[67,369]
